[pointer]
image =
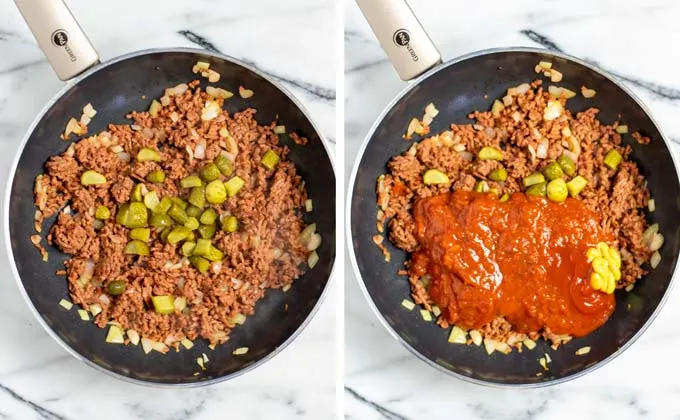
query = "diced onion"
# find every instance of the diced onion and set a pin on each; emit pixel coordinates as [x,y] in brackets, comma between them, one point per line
[65,304]
[588,93]
[159,347]
[312,259]
[542,149]
[125,157]
[651,205]
[583,350]
[519,90]
[133,336]
[476,337]
[465,155]
[314,242]
[210,111]
[552,111]
[147,345]
[199,151]
[489,345]
[245,93]
[408,304]
[622,129]
[656,242]
[188,344]
[426,315]
[201,363]
[280,129]
[457,336]
[286,288]
[547,358]
[529,343]
[436,311]
[649,233]
[104,300]
[213,76]
[240,350]
[84,315]
[431,110]
[307,233]
[555,76]
[655,260]
[115,335]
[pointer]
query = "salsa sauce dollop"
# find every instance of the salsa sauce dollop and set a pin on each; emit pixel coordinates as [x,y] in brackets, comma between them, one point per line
[523,259]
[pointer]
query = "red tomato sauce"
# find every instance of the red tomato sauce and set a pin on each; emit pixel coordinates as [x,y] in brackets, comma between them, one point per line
[524,259]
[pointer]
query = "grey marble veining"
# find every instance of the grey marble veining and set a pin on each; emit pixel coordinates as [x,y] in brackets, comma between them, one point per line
[38,379]
[630,39]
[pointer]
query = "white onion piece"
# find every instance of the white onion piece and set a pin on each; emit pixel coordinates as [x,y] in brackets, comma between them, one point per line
[655,260]
[466,155]
[125,157]
[542,149]
[199,151]
[104,300]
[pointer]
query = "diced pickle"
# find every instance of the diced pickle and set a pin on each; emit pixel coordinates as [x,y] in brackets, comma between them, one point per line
[215,192]
[102,213]
[191,236]
[481,186]
[576,185]
[191,181]
[203,247]
[148,155]
[270,159]
[157,177]
[192,223]
[160,220]
[567,165]
[539,189]
[533,179]
[210,172]
[490,153]
[234,185]
[553,171]
[151,200]
[230,224]
[178,214]
[136,247]
[132,215]
[193,211]
[224,165]
[504,197]
[92,178]
[612,159]
[208,217]
[201,264]
[434,176]
[163,206]
[206,231]
[188,248]
[179,202]
[163,304]
[197,197]
[214,254]
[557,190]
[140,234]
[164,234]
[499,174]
[136,194]
[122,214]
[178,234]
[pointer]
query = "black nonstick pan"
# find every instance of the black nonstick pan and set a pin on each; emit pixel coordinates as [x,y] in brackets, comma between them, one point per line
[115,88]
[457,87]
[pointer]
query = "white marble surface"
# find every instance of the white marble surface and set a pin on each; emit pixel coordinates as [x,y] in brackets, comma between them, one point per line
[625,37]
[39,380]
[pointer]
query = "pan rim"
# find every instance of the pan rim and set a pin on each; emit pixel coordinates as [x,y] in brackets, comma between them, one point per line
[348,217]
[6,219]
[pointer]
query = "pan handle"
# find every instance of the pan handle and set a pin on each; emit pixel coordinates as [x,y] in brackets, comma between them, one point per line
[59,36]
[401,36]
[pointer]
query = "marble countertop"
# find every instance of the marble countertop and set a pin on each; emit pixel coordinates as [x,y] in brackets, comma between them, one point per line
[38,379]
[625,38]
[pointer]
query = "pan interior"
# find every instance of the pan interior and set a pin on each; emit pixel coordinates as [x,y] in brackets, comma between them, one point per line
[458,89]
[114,90]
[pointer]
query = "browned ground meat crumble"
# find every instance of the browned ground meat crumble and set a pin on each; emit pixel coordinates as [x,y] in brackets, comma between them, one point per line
[618,195]
[264,253]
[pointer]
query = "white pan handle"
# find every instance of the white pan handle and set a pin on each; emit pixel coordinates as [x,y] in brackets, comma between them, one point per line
[401,36]
[60,37]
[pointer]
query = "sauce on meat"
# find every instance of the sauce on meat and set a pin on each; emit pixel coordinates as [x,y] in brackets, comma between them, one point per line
[524,259]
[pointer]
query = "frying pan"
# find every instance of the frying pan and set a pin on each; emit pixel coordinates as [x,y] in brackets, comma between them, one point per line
[468,83]
[115,88]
